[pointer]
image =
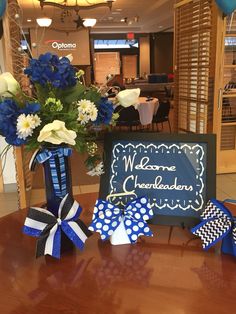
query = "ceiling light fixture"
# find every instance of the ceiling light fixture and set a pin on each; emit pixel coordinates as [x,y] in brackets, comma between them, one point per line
[44,21]
[29,20]
[89,22]
[76,7]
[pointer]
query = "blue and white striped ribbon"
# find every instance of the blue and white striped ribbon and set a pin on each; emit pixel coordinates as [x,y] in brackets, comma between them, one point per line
[43,224]
[59,185]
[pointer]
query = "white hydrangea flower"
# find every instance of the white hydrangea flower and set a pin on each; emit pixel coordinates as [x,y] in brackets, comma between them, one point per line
[26,124]
[97,171]
[86,111]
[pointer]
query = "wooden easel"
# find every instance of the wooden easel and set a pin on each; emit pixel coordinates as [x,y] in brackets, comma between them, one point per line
[1,178]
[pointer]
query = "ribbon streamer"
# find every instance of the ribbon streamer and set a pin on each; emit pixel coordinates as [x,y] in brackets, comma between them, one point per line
[217,224]
[107,218]
[43,224]
[58,184]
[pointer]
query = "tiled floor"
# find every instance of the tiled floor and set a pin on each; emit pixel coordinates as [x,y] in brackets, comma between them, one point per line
[226,189]
[8,203]
[226,186]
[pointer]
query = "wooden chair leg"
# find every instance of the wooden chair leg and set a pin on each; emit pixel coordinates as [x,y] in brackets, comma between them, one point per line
[169,126]
[170,234]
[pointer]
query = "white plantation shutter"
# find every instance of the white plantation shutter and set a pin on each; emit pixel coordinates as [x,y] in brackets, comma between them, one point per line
[194,66]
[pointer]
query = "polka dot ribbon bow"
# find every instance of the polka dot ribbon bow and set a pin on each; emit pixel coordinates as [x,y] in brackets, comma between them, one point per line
[107,217]
[217,224]
[43,224]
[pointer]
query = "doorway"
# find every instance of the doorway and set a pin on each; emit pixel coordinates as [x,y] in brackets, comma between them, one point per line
[130,66]
[106,63]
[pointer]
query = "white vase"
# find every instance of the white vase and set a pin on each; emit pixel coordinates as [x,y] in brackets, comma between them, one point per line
[120,235]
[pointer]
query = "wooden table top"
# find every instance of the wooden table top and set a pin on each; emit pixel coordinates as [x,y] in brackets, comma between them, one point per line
[164,274]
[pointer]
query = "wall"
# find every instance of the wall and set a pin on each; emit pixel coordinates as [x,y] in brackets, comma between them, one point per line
[162,45]
[144,61]
[62,44]
[9,174]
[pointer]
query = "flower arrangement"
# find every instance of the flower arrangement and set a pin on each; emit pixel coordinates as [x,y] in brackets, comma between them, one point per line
[62,109]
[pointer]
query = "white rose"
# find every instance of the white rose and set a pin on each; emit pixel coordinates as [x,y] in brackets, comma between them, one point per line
[128,97]
[57,133]
[8,84]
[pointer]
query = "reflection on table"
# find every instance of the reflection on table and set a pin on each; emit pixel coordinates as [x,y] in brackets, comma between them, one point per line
[169,273]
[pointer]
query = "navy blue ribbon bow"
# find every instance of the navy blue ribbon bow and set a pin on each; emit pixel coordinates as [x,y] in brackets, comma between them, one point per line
[217,224]
[107,217]
[43,224]
[58,184]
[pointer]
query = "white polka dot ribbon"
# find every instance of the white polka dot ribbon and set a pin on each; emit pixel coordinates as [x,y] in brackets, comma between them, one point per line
[107,217]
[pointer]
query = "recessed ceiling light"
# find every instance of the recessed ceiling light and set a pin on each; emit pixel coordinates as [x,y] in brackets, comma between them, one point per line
[122,20]
[160,26]
[29,20]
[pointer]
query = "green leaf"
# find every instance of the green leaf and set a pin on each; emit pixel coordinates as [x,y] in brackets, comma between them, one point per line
[80,145]
[72,94]
[91,161]
[93,95]
[32,145]
[42,93]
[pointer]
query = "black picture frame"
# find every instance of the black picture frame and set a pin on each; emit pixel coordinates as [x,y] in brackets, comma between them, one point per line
[206,140]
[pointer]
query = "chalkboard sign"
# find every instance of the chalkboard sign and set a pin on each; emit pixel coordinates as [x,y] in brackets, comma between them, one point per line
[177,172]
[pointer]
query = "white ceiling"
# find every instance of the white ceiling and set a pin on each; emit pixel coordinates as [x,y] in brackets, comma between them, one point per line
[152,15]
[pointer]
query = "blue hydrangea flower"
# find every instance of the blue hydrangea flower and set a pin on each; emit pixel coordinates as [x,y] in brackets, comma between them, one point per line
[9,112]
[49,69]
[30,108]
[105,111]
